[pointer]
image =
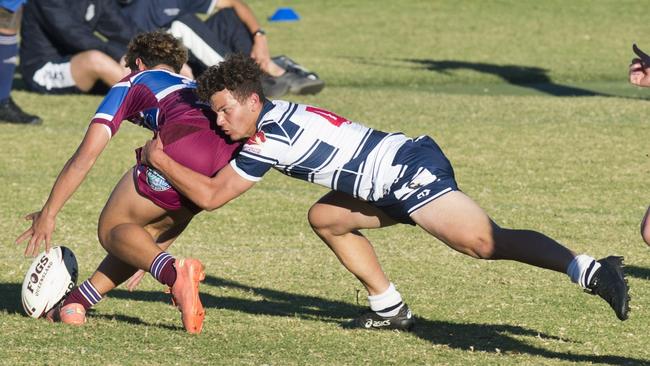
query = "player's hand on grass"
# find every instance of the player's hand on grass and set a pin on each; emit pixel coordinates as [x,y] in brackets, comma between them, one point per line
[150,151]
[640,68]
[134,280]
[41,230]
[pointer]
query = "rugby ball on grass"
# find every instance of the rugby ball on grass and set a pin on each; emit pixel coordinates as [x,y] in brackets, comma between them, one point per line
[50,277]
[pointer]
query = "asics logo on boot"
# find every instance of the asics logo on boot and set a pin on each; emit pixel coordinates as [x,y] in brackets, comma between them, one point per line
[377,323]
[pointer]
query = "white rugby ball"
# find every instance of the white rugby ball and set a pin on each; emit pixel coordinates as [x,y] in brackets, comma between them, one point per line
[50,277]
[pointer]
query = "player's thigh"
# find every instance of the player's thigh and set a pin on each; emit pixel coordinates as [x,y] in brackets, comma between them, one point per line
[341,213]
[127,206]
[455,219]
[165,229]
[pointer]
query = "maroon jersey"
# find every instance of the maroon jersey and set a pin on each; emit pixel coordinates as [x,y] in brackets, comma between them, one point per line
[164,103]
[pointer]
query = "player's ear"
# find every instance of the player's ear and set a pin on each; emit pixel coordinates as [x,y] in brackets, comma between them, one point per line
[141,66]
[254,102]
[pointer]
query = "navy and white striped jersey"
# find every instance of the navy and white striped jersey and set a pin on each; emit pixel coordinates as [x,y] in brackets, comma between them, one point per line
[318,146]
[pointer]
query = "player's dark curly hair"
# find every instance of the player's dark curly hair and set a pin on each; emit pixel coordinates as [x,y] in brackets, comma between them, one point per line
[238,73]
[156,48]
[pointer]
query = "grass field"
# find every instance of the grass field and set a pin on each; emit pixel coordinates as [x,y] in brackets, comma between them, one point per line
[530,102]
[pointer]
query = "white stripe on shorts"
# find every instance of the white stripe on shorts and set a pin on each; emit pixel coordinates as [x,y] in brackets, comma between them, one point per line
[420,204]
[195,43]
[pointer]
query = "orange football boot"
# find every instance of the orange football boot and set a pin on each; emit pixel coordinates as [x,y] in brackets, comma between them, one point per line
[185,293]
[73,314]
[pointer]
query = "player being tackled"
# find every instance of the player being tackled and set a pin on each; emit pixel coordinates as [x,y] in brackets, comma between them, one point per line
[144,214]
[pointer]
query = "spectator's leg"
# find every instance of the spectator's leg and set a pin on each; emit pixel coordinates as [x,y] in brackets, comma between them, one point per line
[9,111]
[8,53]
[88,67]
[206,49]
[231,31]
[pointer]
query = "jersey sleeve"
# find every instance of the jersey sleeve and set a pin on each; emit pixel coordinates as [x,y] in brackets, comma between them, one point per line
[12,5]
[121,102]
[259,154]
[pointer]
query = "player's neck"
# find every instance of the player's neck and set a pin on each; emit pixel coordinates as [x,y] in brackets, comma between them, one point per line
[164,67]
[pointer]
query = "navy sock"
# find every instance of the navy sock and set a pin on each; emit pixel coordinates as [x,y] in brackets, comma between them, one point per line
[8,53]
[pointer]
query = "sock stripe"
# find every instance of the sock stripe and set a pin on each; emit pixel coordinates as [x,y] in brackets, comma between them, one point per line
[587,275]
[388,303]
[89,292]
[8,40]
[158,263]
[390,308]
[162,264]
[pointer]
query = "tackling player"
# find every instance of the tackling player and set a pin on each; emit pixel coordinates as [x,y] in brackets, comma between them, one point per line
[377,179]
[639,75]
[144,214]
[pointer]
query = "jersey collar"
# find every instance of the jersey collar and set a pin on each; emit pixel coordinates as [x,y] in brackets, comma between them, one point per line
[266,107]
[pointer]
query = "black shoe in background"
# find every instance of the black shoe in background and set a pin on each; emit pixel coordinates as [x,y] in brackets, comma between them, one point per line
[11,113]
[274,87]
[301,80]
[301,84]
[292,66]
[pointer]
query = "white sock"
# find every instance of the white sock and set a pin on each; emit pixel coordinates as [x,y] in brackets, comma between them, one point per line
[388,303]
[582,269]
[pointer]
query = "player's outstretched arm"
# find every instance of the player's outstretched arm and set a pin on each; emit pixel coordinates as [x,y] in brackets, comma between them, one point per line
[206,192]
[639,72]
[69,179]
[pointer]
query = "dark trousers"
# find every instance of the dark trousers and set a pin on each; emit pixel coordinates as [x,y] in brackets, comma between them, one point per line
[224,32]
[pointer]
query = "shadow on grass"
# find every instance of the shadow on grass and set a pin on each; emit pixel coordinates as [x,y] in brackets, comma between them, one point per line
[275,303]
[10,298]
[529,77]
[136,321]
[490,338]
[637,272]
[503,338]
[525,76]
[10,303]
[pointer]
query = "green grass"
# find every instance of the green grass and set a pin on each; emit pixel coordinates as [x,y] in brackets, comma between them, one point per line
[534,157]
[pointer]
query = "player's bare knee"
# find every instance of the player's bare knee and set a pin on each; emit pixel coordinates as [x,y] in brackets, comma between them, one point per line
[108,236]
[103,229]
[645,230]
[317,218]
[480,246]
[645,227]
[103,235]
[324,222]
